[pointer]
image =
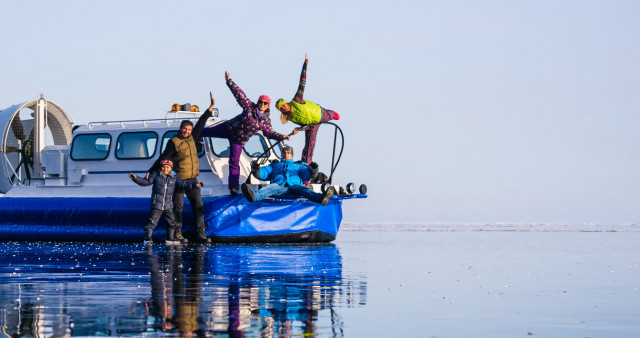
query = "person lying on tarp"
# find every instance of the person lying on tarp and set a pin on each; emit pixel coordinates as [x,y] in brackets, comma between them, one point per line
[287,178]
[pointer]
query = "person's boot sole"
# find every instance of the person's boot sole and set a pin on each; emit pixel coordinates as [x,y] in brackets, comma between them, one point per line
[327,196]
[248,194]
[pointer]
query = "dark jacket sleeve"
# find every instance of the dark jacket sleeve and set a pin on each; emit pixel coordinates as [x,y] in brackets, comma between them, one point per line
[184,184]
[143,181]
[167,154]
[313,172]
[202,121]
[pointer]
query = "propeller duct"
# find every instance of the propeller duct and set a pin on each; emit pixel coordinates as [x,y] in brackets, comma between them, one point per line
[19,144]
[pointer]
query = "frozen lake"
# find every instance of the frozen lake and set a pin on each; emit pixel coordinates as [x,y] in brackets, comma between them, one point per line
[379,280]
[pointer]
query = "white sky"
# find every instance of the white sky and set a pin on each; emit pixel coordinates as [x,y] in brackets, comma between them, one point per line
[453,111]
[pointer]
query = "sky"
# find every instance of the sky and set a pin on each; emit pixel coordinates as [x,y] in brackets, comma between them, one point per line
[452,111]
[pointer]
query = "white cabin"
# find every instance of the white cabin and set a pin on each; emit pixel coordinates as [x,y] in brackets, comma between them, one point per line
[93,160]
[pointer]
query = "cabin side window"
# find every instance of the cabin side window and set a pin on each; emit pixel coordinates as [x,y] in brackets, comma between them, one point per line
[168,135]
[90,147]
[136,145]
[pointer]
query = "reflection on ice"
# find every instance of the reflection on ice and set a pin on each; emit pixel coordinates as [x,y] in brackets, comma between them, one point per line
[103,289]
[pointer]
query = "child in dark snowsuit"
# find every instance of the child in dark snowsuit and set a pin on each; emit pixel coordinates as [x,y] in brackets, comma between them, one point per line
[164,184]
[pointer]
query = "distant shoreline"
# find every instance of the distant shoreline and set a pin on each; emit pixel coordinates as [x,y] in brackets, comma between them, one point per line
[499,226]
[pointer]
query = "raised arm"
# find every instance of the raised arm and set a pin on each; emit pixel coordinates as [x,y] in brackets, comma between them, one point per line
[202,121]
[240,96]
[303,81]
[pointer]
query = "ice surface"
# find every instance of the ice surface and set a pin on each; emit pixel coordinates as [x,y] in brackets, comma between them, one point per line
[494,280]
[378,280]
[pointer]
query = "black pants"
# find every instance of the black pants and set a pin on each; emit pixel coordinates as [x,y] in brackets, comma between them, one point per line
[155,217]
[195,198]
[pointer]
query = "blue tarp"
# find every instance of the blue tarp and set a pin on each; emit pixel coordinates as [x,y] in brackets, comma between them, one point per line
[123,219]
[235,216]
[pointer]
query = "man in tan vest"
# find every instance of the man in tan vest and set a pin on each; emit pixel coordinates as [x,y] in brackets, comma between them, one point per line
[182,150]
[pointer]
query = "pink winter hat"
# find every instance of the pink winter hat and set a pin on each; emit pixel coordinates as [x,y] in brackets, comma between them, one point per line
[265,98]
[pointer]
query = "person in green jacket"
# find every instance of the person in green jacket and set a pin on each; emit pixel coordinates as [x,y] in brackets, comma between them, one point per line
[305,113]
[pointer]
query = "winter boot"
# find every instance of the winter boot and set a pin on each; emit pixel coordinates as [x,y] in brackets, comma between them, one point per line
[201,238]
[327,195]
[171,240]
[248,193]
[148,233]
[179,237]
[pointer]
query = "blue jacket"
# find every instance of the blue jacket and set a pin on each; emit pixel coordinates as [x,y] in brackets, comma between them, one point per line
[163,187]
[285,173]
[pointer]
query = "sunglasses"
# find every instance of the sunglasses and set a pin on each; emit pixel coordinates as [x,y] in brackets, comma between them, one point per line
[263,102]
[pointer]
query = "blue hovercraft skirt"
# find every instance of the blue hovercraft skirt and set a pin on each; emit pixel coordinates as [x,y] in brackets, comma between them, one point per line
[229,219]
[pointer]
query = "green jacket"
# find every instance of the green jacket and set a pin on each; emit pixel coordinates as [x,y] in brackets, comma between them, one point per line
[305,113]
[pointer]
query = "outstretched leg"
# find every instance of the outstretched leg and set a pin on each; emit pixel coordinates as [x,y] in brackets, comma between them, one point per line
[310,135]
[273,189]
[309,143]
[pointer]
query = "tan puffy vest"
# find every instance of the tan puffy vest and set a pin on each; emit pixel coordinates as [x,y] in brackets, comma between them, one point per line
[185,159]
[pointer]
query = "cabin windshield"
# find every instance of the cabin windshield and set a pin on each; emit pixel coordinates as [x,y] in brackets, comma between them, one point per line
[255,147]
[90,147]
[277,149]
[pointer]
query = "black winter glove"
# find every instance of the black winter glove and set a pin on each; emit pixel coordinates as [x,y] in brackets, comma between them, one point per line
[313,170]
[255,169]
[255,165]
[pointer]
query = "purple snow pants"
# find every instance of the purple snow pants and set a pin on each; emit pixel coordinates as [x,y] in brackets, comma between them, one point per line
[235,150]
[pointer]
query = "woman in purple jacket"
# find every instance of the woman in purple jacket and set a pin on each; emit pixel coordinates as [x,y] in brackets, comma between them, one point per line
[238,130]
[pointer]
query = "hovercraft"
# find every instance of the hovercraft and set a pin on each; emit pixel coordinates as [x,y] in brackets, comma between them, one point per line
[67,182]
